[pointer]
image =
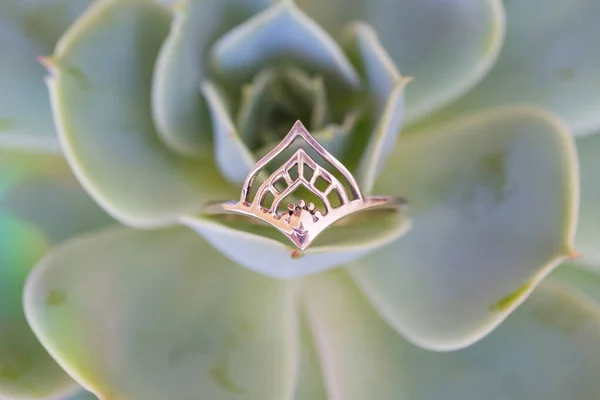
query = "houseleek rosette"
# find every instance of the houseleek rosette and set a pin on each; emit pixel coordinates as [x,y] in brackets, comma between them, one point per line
[112,278]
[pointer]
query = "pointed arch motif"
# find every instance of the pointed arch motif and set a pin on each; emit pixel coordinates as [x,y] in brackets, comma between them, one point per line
[299,131]
[301,223]
[301,159]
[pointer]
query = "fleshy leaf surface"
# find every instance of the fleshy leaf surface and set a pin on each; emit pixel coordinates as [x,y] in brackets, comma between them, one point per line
[493,198]
[105,123]
[281,34]
[231,154]
[264,250]
[159,315]
[40,205]
[289,90]
[580,277]
[28,30]
[180,113]
[335,138]
[587,238]
[313,91]
[79,395]
[550,59]
[310,385]
[448,46]
[385,90]
[548,349]
[255,100]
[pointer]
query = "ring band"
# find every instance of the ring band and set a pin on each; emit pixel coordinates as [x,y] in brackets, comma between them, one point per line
[301,222]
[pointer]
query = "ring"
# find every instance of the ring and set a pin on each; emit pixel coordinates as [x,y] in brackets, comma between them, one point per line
[301,222]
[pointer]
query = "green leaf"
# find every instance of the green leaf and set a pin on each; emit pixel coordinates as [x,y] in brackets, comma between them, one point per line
[291,89]
[382,140]
[265,250]
[448,46]
[336,138]
[162,315]
[313,92]
[587,239]
[493,198]
[550,59]
[549,349]
[310,385]
[282,34]
[29,30]
[103,115]
[379,70]
[57,206]
[580,277]
[255,104]
[385,92]
[180,114]
[80,395]
[232,156]
[37,196]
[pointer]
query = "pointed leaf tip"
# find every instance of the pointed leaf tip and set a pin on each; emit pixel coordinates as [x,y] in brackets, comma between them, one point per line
[48,62]
[295,254]
[575,255]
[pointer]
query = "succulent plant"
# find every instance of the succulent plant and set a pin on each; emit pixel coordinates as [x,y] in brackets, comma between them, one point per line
[115,285]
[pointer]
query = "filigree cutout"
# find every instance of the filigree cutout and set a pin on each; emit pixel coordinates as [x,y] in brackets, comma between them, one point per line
[301,222]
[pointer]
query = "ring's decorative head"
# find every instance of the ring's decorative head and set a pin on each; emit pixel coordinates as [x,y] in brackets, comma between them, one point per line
[302,222]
